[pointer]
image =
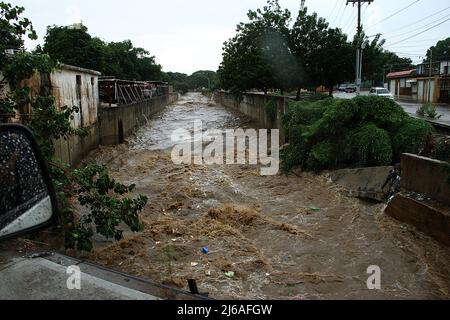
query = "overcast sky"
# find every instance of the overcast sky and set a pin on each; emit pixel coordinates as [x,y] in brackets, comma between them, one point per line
[187,36]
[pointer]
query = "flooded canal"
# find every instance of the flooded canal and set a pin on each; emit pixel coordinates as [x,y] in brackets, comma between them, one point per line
[296,237]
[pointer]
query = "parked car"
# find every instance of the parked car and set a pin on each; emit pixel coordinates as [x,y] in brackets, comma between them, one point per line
[351,88]
[342,88]
[381,92]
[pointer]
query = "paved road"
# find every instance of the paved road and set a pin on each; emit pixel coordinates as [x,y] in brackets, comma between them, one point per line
[410,107]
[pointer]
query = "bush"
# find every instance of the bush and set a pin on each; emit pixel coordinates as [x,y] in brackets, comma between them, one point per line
[371,147]
[428,110]
[442,151]
[365,131]
[411,137]
[271,110]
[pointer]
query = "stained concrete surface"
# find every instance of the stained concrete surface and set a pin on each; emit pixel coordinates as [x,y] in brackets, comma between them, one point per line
[43,279]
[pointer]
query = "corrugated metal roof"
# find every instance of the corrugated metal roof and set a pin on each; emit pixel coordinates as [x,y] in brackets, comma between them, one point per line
[401,74]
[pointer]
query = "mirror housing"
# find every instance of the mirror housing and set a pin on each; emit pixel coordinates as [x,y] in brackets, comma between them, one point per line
[27,196]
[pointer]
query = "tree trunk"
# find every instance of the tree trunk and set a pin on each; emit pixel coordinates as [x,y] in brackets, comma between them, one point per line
[299,91]
[330,93]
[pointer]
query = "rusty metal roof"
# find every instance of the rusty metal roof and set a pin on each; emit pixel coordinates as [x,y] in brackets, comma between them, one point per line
[401,74]
[78,69]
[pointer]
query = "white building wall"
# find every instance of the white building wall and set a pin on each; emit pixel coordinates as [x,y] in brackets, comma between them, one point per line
[68,93]
[443,65]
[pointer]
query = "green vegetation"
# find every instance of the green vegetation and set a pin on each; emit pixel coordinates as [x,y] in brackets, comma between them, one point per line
[428,110]
[74,45]
[442,150]
[90,185]
[271,110]
[271,52]
[365,131]
[196,81]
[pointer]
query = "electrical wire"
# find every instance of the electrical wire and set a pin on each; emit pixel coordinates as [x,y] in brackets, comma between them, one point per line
[417,22]
[394,14]
[420,28]
[418,34]
[337,13]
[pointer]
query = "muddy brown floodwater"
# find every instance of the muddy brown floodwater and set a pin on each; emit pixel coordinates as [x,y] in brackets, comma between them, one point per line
[295,237]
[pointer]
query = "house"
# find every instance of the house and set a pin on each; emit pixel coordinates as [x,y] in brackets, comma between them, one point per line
[433,82]
[402,83]
[424,84]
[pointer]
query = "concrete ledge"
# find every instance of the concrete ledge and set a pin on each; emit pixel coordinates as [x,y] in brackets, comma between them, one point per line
[427,217]
[425,176]
[366,183]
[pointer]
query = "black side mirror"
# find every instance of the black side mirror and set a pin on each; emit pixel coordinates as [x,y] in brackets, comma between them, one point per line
[27,197]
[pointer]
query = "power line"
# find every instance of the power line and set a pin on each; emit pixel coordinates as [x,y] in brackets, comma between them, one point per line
[394,14]
[418,21]
[332,11]
[341,16]
[350,22]
[417,29]
[338,13]
[418,34]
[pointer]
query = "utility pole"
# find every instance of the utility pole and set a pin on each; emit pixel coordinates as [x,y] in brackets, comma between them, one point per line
[359,4]
[431,74]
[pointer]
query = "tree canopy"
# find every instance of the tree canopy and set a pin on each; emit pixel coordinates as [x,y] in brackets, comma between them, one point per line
[270,52]
[441,51]
[74,45]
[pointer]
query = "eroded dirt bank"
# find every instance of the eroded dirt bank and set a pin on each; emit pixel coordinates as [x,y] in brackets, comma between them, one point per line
[296,237]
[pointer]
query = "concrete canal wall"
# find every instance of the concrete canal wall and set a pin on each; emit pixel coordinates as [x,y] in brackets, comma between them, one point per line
[114,125]
[266,110]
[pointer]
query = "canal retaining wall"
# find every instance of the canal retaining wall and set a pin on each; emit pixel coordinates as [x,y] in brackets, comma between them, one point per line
[266,110]
[114,125]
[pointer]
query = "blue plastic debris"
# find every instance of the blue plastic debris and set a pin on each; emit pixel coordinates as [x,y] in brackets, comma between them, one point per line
[205,250]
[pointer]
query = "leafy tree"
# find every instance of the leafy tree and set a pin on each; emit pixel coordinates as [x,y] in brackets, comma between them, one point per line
[441,51]
[250,59]
[202,79]
[324,52]
[13,27]
[74,45]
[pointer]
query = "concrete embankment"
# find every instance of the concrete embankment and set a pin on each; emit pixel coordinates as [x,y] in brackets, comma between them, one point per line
[113,127]
[266,110]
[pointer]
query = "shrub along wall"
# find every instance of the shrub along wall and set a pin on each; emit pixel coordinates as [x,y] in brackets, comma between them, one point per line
[362,132]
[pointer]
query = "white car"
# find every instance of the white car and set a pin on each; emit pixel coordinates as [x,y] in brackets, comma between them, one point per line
[381,92]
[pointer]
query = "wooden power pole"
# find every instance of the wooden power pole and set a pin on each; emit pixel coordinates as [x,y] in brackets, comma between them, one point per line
[359,4]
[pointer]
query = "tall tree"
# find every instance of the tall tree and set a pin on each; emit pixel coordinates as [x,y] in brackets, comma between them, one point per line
[13,27]
[441,51]
[324,53]
[74,45]
[250,59]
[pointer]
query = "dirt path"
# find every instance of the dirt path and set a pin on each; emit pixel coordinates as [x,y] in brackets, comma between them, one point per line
[296,237]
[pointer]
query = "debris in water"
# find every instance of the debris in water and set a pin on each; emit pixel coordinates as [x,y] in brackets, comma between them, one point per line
[194,264]
[205,250]
[230,274]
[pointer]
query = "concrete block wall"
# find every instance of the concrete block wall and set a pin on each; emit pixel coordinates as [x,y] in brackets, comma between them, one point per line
[425,176]
[113,126]
[116,124]
[254,106]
